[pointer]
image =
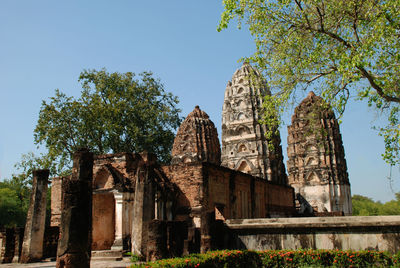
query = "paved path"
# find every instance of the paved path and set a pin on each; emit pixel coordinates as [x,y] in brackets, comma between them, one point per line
[52,264]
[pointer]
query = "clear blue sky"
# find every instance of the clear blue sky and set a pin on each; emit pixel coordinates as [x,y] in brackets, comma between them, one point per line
[46,44]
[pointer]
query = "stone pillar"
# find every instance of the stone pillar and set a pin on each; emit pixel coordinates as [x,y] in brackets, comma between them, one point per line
[56,198]
[143,211]
[119,221]
[205,231]
[74,245]
[157,240]
[32,247]
[19,239]
[7,247]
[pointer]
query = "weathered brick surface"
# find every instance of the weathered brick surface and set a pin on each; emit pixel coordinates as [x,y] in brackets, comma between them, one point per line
[156,240]
[239,195]
[103,221]
[244,145]
[7,245]
[32,247]
[50,242]
[74,247]
[188,179]
[18,240]
[56,197]
[196,140]
[317,165]
[115,171]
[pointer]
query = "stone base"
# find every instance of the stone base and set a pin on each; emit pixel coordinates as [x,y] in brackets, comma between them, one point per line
[118,244]
[107,255]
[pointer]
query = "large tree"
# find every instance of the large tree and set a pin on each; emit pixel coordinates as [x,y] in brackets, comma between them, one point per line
[340,48]
[115,113]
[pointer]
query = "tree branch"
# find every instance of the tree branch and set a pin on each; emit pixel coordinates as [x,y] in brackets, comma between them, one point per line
[305,15]
[355,23]
[375,86]
[320,75]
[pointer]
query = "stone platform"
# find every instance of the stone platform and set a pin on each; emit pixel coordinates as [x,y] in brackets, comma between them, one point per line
[348,232]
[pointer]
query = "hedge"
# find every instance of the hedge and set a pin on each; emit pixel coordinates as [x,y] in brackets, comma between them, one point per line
[281,258]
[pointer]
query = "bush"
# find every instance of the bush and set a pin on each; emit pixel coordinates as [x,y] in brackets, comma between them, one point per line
[133,257]
[281,258]
[222,258]
[335,258]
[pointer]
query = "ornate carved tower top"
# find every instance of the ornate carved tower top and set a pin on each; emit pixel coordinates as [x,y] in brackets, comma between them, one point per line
[317,166]
[196,140]
[244,146]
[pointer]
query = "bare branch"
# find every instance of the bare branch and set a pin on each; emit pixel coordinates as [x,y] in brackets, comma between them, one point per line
[318,75]
[302,10]
[375,86]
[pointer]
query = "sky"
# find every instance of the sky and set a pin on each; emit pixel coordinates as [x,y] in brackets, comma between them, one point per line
[45,45]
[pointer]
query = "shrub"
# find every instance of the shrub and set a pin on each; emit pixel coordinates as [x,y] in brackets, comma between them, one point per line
[281,258]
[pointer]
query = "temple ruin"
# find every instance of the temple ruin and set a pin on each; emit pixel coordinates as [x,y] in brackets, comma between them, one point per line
[208,198]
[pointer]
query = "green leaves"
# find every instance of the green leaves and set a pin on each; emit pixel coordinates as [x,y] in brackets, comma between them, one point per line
[14,202]
[335,47]
[364,206]
[115,113]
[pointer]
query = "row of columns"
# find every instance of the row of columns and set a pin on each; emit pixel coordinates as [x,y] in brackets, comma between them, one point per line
[74,245]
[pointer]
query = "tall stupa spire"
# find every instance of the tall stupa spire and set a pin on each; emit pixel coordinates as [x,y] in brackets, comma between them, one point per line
[244,146]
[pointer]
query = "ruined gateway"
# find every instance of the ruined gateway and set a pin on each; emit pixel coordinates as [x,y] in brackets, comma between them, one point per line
[137,203]
[192,204]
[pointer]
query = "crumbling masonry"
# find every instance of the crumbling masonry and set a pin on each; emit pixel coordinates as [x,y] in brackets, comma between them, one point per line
[206,198]
[317,166]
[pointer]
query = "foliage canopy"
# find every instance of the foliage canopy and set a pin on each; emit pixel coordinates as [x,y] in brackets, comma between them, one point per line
[365,206]
[341,48]
[115,113]
[14,202]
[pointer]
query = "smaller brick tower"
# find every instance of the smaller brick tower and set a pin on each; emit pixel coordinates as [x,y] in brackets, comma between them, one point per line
[196,140]
[317,166]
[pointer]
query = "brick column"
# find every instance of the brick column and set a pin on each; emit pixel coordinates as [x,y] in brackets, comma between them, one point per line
[143,211]
[74,245]
[32,247]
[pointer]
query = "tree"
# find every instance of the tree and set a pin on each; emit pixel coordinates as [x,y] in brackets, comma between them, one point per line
[115,113]
[342,48]
[14,202]
[365,206]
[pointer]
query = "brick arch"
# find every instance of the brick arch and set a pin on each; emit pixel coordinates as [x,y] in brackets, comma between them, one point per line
[103,179]
[242,147]
[242,129]
[312,176]
[244,165]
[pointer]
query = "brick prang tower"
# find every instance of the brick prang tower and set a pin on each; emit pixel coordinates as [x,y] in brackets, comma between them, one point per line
[244,145]
[317,166]
[196,140]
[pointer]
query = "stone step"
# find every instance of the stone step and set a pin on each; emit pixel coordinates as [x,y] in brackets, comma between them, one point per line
[107,253]
[106,258]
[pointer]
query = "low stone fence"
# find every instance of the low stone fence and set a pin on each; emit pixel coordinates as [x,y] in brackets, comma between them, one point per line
[350,232]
